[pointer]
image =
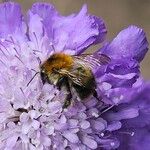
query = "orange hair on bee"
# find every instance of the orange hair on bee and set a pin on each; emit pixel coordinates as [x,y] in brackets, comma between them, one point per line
[58,61]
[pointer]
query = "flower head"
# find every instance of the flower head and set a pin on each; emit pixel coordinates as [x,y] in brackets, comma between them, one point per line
[31,117]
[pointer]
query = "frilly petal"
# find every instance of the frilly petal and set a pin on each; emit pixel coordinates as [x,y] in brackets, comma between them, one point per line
[75,32]
[11,21]
[129,43]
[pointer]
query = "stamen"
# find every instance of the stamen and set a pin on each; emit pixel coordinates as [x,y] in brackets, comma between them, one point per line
[22,92]
[16,51]
[51,44]
[36,40]
[36,50]
[107,109]
[32,78]
[19,59]
[3,63]
[39,60]
[127,133]
[4,47]
[33,70]
[3,53]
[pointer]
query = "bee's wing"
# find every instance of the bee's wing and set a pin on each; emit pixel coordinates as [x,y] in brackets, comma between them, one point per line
[86,60]
[92,60]
[71,76]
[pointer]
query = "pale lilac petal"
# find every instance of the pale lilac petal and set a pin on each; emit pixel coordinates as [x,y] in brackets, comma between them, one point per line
[88,141]
[124,114]
[35,30]
[49,130]
[11,21]
[11,141]
[85,124]
[24,117]
[46,141]
[25,128]
[97,125]
[114,126]
[64,31]
[73,138]
[54,107]
[35,124]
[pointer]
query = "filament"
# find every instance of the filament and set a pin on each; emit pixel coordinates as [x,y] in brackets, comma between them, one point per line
[32,78]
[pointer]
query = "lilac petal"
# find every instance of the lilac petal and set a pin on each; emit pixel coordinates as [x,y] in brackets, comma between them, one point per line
[49,130]
[73,122]
[11,19]
[88,141]
[110,144]
[97,125]
[46,141]
[24,138]
[136,139]
[72,137]
[47,13]
[124,114]
[54,107]
[129,43]
[11,141]
[3,117]
[31,147]
[141,139]
[35,29]
[26,127]
[35,124]
[24,117]
[4,105]
[114,126]
[63,119]
[75,32]
[85,124]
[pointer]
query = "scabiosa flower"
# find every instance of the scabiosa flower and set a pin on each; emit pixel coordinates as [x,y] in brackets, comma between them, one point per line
[138,127]
[31,117]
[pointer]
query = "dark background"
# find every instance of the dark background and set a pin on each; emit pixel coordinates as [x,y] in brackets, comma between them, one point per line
[117,14]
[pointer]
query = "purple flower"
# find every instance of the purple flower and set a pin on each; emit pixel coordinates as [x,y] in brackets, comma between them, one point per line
[136,130]
[31,117]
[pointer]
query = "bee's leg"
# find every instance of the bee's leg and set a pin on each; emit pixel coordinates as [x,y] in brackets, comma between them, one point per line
[63,82]
[60,83]
[96,95]
[67,101]
[69,95]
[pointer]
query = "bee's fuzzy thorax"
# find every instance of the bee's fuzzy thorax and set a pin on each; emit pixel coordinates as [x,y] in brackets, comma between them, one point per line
[58,61]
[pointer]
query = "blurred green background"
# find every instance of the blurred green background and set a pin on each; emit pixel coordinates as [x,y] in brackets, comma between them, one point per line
[117,14]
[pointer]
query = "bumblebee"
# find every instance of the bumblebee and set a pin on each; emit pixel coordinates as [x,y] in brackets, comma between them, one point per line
[63,70]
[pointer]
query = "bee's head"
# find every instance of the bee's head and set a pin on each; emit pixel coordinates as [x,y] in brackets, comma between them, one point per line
[49,77]
[44,76]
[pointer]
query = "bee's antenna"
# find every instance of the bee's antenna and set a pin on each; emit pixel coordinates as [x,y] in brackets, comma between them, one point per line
[32,78]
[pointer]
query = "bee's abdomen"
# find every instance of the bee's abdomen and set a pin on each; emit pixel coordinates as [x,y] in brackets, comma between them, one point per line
[82,91]
[86,90]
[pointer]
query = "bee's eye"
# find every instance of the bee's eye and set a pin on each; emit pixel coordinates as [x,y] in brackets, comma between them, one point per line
[43,77]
